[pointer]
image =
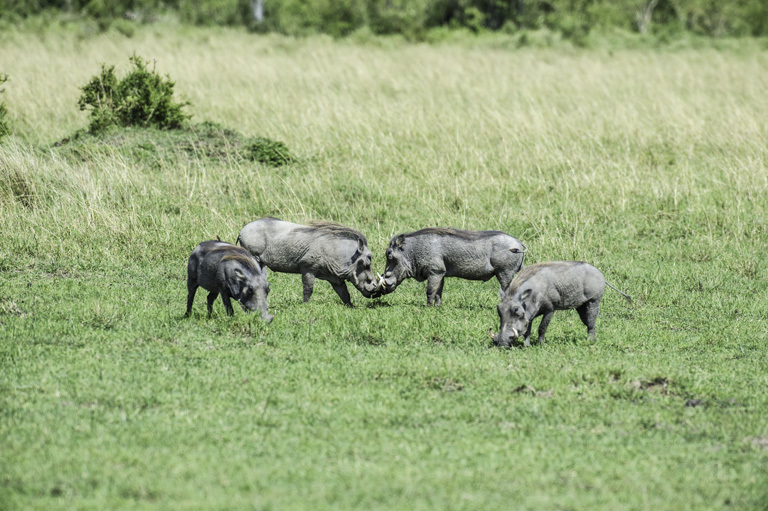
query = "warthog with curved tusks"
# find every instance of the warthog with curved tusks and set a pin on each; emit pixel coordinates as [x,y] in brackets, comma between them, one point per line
[320,250]
[543,288]
[435,253]
[230,270]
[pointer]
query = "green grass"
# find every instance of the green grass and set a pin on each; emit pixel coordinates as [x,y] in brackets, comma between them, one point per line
[650,165]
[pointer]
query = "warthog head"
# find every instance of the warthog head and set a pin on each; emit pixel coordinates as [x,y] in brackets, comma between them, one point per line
[398,266]
[362,276]
[514,317]
[251,291]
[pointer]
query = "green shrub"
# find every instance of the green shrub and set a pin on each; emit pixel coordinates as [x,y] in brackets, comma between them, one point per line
[4,129]
[270,152]
[142,98]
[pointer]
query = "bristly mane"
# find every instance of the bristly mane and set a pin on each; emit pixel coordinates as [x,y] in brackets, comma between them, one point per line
[449,231]
[337,229]
[239,254]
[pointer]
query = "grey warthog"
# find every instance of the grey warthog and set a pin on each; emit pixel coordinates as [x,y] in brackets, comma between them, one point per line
[543,288]
[224,268]
[435,253]
[320,250]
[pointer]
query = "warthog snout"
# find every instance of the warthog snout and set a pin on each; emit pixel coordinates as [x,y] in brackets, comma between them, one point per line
[259,304]
[369,287]
[266,316]
[378,286]
[505,338]
[387,283]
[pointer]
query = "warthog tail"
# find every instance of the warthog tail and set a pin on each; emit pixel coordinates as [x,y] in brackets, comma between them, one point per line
[620,292]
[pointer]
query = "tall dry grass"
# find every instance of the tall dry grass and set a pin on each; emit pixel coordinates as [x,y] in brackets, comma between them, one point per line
[396,136]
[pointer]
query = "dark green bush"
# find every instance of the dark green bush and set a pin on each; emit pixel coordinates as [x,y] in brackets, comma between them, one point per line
[142,98]
[270,152]
[4,129]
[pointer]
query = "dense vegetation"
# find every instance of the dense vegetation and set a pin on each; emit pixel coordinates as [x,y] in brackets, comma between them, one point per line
[649,164]
[414,18]
[142,98]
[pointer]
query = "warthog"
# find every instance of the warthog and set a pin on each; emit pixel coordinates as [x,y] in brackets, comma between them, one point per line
[435,253]
[543,288]
[320,250]
[230,270]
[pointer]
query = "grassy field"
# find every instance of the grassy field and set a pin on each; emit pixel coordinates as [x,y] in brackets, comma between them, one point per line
[649,164]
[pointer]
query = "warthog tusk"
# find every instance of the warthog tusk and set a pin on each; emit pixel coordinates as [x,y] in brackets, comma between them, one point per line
[381,281]
[515,332]
[490,333]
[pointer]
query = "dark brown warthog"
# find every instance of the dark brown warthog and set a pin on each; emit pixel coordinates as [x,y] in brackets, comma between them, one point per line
[230,270]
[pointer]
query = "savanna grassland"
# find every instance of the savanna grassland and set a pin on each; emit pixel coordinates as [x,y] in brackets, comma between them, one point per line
[649,164]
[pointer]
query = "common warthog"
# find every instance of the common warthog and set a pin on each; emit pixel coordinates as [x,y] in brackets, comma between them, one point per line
[321,250]
[230,270]
[435,253]
[543,288]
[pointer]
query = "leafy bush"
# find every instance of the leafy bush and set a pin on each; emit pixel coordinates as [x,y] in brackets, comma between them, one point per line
[142,98]
[4,130]
[270,152]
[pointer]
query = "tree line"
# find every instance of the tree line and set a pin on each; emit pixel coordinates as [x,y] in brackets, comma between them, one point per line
[414,18]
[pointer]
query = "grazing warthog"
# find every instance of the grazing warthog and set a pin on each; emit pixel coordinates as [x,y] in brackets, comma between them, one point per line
[543,288]
[320,250]
[230,270]
[435,253]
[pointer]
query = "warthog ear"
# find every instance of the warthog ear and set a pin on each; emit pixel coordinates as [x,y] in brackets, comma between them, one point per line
[524,298]
[400,240]
[360,245]
[239,274]
[234,289]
